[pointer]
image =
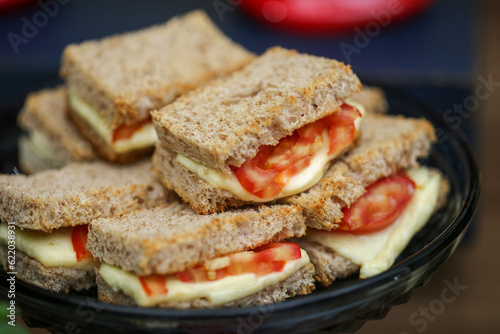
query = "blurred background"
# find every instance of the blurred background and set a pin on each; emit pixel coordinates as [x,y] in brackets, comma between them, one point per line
[441,52]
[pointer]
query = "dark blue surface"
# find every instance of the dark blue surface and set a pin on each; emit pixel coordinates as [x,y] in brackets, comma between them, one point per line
[434,48]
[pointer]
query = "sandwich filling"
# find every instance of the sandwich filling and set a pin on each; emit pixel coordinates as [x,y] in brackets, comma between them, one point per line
[63,247]
[292,166]
[122,139]
[376,249]
[220,280]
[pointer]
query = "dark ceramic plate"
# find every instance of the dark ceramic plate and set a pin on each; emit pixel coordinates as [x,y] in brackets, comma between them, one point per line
[343,307]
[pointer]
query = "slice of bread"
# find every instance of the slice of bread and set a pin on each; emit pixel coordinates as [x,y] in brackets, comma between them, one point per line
[44,117]
[125,76]
[300,283]
[171,238]
[57,279]
[388,144]
[373,98]
[225,122]
[76,194]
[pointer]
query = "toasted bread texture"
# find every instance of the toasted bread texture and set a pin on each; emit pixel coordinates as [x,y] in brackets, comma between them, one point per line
[76,194]
[373,98]
[225,122]
[125,76]
[57,279]
[44,117]
[328,265]
[171,238]
[103,148]
[300,283]
[388,144]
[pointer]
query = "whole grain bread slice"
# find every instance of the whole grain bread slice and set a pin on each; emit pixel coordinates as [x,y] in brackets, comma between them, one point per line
[225,122]
[57,279]
[77,193]
[300,283]
[171,238]
[387,144]
[44,117]
[126,76]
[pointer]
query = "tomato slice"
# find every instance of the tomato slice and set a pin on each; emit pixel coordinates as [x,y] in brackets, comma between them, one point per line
[268,172]
[125,132]
[154,285]
[262,261]
[380,205]
[79,241]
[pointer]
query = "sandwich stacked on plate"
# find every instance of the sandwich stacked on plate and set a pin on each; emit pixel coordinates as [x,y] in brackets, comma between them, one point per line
[282,161]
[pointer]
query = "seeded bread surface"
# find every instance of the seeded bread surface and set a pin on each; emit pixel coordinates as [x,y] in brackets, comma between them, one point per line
[126,76]
[225,122]
[387,144]
[77,193]
[171,238]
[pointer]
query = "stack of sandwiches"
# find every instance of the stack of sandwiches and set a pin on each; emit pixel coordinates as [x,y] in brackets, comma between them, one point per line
[269,174]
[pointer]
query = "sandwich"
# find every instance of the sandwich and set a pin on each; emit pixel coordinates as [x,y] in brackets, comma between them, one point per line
[52,140]
[44,218]
[369,205]
[171,257]
[265,132]
[115,82]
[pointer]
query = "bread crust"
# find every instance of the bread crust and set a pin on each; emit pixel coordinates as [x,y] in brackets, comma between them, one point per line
[102,147]
[300,283]
[373,98]
[57,279]
[387,144]
[149,68]
[77,193]
[151,236]
[225,122]
[328,265]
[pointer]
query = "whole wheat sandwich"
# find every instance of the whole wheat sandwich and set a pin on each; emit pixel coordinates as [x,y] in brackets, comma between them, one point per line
[48,212]
[171,257]
[115,82]
[369,205]
[267,131]
[52,140]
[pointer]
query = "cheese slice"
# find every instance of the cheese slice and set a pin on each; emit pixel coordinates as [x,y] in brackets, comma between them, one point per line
[144,137]
[51,249]
[216,292]
[376,252]
[298,183]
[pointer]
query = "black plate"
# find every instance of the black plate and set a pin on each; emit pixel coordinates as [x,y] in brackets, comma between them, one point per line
[343,307]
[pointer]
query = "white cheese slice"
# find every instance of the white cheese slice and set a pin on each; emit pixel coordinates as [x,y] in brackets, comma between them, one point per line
[297,183]
[51,249]
[144,137]
[376,252]
[216,292]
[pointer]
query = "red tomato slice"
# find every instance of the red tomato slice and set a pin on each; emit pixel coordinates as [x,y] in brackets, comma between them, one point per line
[264,260]
[268,172]
[380,206]
[127,131]
[154,285]
[79,240]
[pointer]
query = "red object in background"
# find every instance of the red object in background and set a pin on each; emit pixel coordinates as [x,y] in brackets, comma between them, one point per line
[8,5]
[327,16]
